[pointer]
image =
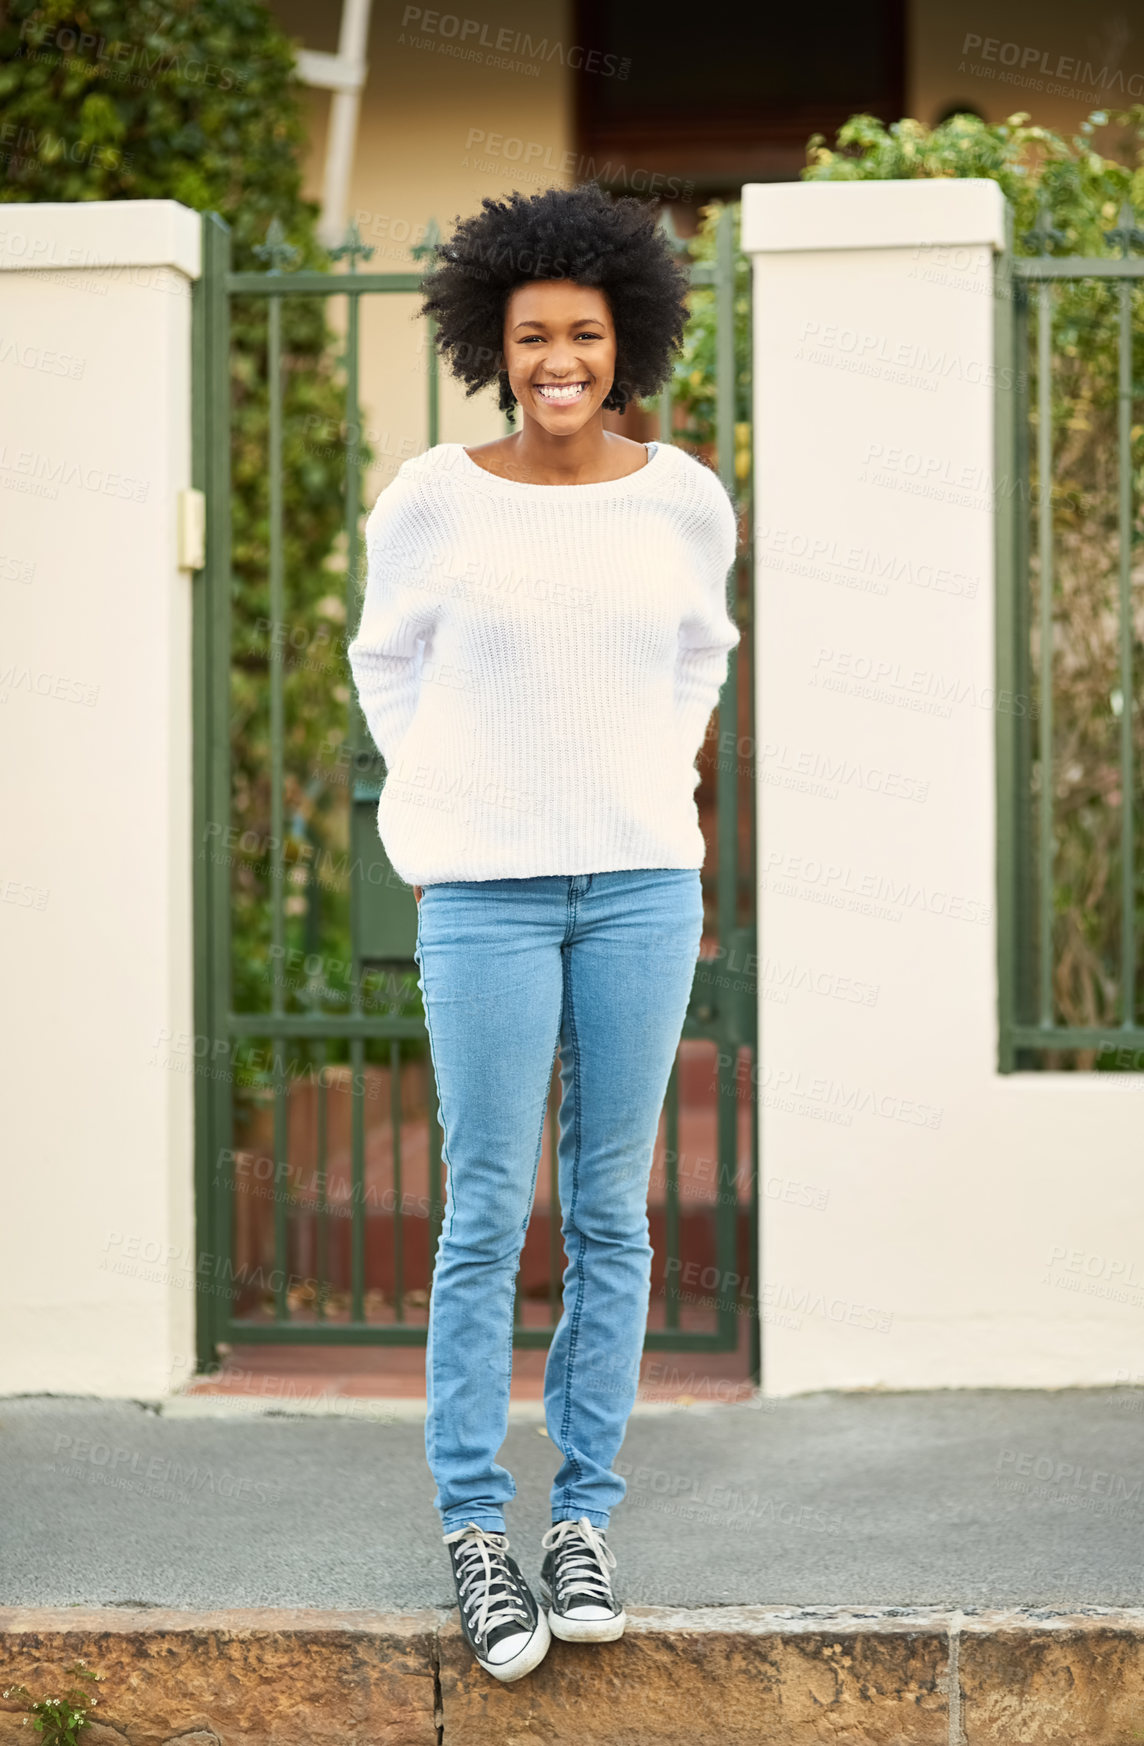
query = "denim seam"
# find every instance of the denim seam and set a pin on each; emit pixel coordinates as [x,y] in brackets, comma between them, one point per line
[492,1522]
[578,1309]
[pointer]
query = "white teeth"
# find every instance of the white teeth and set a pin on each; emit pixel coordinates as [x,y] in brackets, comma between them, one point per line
[550,391]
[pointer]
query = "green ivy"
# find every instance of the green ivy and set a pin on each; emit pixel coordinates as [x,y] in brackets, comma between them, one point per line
[198,101]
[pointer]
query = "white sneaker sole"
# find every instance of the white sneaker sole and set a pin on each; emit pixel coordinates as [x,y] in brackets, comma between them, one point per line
[584,1630]
[529,1657]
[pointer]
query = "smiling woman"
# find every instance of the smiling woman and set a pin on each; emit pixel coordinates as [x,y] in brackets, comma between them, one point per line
[546,809]
[580,237]
[559,354]
[571,302]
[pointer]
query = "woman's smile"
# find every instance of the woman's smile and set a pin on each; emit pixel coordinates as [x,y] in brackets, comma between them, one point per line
[561,393]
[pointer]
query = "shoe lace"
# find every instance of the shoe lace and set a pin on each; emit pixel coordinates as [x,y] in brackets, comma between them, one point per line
[583,1559]
[485,1583]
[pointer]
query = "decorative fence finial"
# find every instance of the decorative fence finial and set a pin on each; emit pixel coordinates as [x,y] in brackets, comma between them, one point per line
[1044,233]
[424,251]
[353,249]
[276,249]
[1127,235]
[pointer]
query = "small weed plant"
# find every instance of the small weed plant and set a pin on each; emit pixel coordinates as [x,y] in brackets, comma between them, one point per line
[60,1720]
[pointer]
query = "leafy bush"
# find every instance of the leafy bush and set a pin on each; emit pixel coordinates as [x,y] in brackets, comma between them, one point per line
[198,101]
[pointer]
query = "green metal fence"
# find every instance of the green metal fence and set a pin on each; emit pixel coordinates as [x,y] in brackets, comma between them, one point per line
[1035,640]
[309,1273]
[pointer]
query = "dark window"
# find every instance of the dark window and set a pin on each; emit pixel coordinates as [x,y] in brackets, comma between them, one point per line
[724,92]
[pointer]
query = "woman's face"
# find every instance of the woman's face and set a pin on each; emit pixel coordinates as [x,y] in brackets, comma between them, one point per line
[560,352]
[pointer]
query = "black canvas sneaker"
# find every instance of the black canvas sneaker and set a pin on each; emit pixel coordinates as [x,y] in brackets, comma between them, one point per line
[576,1586]
[503,1625]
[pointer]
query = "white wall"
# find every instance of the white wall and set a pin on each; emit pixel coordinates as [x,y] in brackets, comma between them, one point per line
[95,720]
[966,1228]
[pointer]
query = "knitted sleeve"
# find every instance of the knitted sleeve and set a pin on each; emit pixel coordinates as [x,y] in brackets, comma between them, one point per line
[707,633]
[398,613]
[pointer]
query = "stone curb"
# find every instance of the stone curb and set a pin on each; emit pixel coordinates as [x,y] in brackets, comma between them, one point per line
[878,1676]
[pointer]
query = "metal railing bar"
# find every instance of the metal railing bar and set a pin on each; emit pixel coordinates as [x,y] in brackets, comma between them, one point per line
[1045,553]
[398,1214]
[672,1276]
[310,283]
[352,1333]
[277,783]
[1126,631]
[281,1186]
[727,796]
[322,1256]
[1053,1036]
[1009,578]
[1074,267]
[357,1180]
[276,580]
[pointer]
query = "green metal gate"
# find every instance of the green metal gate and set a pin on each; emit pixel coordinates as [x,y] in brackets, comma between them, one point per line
[293,1242]
[1033,630]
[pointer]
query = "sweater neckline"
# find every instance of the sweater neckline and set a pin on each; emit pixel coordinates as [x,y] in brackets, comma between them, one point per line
[477,474]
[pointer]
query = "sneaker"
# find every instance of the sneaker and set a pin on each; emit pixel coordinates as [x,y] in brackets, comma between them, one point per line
[576,1585]
[503,1625]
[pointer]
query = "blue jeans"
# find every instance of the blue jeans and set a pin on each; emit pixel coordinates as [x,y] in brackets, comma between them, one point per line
[599,967]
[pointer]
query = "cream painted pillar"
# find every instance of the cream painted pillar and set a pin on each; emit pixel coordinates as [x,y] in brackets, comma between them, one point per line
[927,1221]
[96,1210]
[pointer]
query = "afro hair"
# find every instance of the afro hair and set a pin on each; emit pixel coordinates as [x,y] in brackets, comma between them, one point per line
[580,234]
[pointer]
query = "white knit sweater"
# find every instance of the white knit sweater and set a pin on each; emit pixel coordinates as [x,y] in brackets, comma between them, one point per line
[538,664]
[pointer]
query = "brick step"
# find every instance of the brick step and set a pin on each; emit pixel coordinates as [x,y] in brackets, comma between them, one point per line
[716,1676]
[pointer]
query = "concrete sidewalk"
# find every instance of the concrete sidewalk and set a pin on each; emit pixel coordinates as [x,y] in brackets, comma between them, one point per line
[949,1500]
